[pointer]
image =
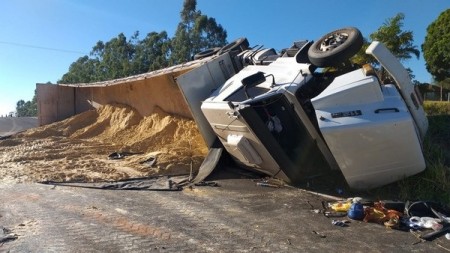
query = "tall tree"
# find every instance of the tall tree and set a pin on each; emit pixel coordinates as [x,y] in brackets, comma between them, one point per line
[195,33]
[436,50]
[28,108]
[398,41]
[121,57]
[152,53]
[83,70]
[436,47]
[115,57]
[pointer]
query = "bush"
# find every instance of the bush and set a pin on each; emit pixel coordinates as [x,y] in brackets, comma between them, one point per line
[436,108]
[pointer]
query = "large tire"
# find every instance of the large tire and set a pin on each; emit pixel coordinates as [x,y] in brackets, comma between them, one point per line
[239,45]
[206,53]
[335,47]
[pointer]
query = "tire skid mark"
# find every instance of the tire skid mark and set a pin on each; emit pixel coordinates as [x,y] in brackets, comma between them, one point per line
[208,221]
[121,222]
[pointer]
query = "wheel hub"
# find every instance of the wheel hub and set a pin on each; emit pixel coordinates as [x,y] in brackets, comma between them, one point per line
[333,41]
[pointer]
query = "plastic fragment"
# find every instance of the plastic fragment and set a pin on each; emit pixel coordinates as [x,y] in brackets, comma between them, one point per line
[340,223]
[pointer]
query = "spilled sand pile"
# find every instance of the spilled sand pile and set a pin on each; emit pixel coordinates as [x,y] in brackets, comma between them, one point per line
[77,148]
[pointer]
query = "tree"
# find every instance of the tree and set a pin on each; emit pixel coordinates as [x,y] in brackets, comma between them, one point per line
[121,57]
[436,49]
[152,53]
[195,33]
[27,109]
[83,70]
[110,60]
[399,42]
[115,57]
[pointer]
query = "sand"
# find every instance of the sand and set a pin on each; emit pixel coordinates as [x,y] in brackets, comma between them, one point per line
[77,149]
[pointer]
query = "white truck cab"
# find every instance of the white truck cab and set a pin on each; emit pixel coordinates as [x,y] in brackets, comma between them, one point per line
[274,113]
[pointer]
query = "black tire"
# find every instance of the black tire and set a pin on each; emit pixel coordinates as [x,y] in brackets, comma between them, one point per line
[335,47]
[208,52]
[239,45]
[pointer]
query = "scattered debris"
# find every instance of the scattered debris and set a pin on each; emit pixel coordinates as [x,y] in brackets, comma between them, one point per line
[341,206]
[319,234]
[264,184]
[207,183]
[417,217]
[149,162]
[334,214]
[270,182]
[340,223]
[6,235]
[356,211]
[116,155]
[4,137]
[440,228]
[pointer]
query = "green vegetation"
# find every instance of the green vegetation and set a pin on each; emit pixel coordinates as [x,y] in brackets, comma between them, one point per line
[195,33]
[122,57]
[437,108]
[27,109]
[398,41]
[436,50]
[434,182]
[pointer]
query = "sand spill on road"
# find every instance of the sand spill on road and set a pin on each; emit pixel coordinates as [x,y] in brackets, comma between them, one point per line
[77,149]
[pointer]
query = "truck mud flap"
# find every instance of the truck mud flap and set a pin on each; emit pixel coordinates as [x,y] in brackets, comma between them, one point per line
[209,164]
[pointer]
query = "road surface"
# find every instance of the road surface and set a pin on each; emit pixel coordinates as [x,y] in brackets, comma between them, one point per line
[237,216]
[12,125]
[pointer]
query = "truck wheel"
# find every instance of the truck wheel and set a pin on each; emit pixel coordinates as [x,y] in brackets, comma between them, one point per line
[335,47]
[240,45]
[206,53]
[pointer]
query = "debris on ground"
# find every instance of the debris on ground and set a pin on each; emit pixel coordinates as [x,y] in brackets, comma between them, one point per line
[429,220]
[340,223]
[270,182]
[149,161]
[6,235]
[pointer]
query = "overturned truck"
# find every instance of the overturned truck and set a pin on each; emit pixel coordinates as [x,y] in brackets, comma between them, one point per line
[300,112]
[308,109]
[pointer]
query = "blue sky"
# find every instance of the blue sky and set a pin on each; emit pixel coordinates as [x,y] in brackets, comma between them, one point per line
[40,39]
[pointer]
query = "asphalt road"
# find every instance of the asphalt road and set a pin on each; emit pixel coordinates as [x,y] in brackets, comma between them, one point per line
[237,216]
[12,125]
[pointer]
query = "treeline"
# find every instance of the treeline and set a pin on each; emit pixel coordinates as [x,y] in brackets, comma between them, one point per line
[26,109]
[122,57]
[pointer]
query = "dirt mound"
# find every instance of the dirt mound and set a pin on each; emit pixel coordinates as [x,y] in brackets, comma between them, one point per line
[77,148]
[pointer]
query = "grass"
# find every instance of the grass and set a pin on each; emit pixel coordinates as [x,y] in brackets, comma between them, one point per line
[437,107]
[434,182]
